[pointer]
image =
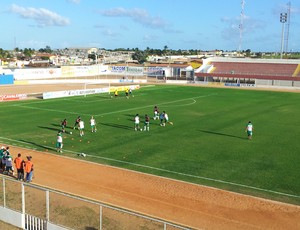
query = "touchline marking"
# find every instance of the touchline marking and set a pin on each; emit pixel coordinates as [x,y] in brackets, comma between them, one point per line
[162,170]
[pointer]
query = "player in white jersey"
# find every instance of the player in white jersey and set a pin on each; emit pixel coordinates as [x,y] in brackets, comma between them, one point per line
[81,127]
[249,130]
[137,123]
[167,118]
[93,124]
[59,142]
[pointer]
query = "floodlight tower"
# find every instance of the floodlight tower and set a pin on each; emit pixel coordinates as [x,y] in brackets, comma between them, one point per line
[283,19]
[241,26]
[288,27]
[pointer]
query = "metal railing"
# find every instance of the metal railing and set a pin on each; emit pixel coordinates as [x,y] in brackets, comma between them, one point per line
[41,206]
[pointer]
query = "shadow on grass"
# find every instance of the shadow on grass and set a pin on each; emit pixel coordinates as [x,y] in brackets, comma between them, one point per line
[222,134]
[67,127]
[55,129]
[38,145]
[49,128]
[117,126]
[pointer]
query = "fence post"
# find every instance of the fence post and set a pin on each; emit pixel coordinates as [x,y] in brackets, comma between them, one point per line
[23,198]
[47,206]
[100,217]
[4,195]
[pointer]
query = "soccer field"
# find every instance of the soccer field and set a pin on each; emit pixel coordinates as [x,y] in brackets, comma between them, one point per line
[207,144]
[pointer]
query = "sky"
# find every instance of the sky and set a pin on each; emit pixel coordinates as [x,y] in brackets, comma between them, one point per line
[155,24]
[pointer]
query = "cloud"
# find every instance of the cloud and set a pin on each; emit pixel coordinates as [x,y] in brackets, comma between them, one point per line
[149,37]
[41,16]
[74,1]
[109,33]
[137,15]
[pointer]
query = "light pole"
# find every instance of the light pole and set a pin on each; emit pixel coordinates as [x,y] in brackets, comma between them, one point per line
[283,19]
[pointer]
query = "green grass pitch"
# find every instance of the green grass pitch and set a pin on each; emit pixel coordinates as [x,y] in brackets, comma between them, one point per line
[207,144]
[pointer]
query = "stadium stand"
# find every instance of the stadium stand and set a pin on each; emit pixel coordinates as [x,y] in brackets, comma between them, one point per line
[274,69]
[297,71]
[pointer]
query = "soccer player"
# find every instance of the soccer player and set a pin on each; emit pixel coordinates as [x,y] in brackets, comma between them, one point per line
[147,123]
[81,128]
[136,122]
[77,122]
[127,93]
[116,93]
[162,119]
[249,130]
[156,113]
[59,142]
[93,124]
[167,119]
[63,125]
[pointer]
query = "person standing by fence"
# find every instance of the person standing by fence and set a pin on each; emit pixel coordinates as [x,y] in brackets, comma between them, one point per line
[29,169]
[19,163]
[2,156]
[9,169]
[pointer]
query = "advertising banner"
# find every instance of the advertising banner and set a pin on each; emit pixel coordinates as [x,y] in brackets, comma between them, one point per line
[36,73]
[12,97]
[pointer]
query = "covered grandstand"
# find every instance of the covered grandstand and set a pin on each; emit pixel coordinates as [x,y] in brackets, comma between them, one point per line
[267,72]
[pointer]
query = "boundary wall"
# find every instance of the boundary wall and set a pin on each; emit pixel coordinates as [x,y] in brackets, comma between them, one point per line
[84,92]
[28,206]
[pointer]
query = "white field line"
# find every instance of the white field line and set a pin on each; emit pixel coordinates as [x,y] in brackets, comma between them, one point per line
[120,111]
[158,104]
[155,168]
[52,110]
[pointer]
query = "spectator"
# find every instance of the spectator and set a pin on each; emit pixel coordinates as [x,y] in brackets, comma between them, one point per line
[19,163]
[29,169]
[2,154]
[9,164]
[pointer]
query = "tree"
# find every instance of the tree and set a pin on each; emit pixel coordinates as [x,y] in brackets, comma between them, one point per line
[140,56]
[248,53]
[165,50]
[47,49]
[28,52]
[4,54]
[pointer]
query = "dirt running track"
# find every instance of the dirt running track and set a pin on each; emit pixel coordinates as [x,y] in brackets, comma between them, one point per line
[192,205]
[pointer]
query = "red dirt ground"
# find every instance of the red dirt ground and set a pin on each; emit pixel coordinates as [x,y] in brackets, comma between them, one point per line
[188,204]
